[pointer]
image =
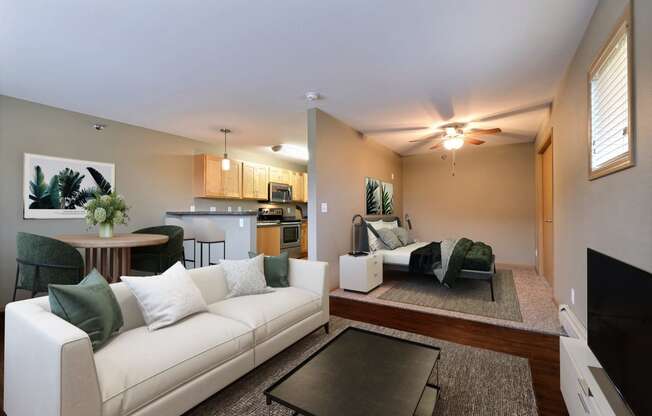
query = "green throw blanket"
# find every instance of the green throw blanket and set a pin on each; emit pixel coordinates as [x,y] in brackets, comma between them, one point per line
[466,255]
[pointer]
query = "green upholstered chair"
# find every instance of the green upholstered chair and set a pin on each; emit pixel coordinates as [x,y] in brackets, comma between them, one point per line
[42,260]
[157,259]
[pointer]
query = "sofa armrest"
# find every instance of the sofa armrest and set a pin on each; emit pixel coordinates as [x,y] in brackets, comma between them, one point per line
[49,366]
[313,276]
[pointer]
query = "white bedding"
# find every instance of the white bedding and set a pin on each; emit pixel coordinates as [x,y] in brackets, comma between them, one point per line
[401,255]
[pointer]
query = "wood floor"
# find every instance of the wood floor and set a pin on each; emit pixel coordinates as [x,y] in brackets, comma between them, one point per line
[541,350]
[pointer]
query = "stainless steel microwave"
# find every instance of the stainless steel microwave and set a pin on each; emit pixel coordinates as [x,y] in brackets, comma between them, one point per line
[280,192]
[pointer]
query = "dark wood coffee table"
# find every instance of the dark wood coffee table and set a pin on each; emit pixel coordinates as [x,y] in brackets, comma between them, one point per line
[362,373]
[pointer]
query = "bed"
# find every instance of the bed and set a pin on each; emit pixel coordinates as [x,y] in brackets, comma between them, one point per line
[399,258]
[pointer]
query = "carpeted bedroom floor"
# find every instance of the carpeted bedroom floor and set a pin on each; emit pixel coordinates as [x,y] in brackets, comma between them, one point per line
[524,300]
[474,381]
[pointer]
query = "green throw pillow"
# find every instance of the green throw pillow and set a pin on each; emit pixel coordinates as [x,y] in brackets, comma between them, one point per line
[90,305]
[276,269]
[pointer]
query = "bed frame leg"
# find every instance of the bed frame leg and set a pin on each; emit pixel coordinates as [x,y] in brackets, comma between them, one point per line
[491,284]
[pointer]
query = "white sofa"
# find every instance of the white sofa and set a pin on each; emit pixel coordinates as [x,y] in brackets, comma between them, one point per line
[50,367]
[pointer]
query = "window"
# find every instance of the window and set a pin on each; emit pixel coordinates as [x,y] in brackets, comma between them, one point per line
[610,110]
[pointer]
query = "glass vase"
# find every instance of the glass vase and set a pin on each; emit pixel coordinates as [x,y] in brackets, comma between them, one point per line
[106,230]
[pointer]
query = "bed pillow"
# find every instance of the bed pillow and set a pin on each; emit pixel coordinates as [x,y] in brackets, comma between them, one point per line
[166,298]
[372,233]
[245,277]
[403,235]
[387,236]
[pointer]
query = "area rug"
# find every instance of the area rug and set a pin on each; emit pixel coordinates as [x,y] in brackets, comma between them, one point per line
[467,296]
[474,381]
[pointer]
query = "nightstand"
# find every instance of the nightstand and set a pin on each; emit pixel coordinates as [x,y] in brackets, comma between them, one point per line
[361,274]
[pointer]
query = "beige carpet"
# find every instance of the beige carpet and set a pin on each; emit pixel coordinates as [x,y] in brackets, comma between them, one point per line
[535,301]
[474,382]
[466,295]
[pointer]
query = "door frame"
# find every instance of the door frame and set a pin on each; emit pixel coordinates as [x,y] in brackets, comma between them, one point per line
[540,215]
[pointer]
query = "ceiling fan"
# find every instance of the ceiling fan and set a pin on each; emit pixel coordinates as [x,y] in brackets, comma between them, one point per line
[453,136]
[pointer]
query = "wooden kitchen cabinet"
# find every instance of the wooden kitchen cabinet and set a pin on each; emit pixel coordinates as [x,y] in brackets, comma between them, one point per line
[210,181]
[304,239]
[296,180]
[268,240]
[279,175]
[305,187]
[254,181]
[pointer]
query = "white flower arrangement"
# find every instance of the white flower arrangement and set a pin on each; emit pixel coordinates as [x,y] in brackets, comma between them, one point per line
[106,209]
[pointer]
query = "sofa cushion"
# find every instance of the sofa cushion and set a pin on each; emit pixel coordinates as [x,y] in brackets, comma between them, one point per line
[166,298]
[270,313]
[211,282]
[138,366]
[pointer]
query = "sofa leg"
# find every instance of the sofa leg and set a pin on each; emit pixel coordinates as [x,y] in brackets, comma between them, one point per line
[327,327]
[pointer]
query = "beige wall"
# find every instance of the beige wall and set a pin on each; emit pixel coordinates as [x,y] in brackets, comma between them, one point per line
[490,198]
[153,170]
[612,214]
[340,159]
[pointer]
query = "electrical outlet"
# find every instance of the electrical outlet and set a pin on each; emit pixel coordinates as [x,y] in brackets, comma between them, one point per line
[229,209]
[572,296]
[324,207]
[289,210]
[239,209]
[213,209]
[241,222]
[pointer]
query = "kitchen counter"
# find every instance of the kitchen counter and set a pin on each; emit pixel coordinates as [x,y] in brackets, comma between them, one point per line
[226,213]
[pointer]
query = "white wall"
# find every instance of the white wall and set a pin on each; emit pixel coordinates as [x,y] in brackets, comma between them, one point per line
[612,214]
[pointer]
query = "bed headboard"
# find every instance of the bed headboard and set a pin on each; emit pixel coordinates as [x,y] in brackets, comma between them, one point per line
[362,243]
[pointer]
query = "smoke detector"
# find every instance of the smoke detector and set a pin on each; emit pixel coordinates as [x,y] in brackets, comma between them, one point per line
[99,127]
[312,96]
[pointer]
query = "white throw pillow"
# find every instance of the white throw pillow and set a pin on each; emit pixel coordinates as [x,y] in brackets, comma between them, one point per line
[166,298]
[245,277]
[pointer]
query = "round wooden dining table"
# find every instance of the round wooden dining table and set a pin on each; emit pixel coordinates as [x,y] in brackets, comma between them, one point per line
[111,256]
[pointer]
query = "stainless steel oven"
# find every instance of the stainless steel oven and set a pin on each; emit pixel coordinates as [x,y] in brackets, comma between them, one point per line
[291,238]
[280,192]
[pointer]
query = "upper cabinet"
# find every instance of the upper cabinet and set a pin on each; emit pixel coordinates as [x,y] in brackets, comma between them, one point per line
[279,175]
[245,180]
[254,181]
[210,181]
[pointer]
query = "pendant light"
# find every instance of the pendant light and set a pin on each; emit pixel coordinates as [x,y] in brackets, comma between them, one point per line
[226,163]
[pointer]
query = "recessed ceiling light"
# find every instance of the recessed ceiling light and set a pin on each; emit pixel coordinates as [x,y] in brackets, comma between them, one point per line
[291,150]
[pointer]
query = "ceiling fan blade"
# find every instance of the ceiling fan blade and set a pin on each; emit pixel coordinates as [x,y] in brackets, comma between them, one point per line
[475,132]
[431,137]
[474,141]
[437,146]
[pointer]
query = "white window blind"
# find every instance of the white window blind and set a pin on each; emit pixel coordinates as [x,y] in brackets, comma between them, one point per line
[609,110]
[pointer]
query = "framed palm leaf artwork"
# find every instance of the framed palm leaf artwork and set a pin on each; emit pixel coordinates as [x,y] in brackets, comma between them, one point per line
[387,198]
[55,187]
[373,196]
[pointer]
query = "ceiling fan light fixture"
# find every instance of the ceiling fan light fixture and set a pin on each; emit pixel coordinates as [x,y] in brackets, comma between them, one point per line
[453,143]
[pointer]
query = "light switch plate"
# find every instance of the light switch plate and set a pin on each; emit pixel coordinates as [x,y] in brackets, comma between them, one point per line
[229,209]
[213,209]
[572,296]
[324,207]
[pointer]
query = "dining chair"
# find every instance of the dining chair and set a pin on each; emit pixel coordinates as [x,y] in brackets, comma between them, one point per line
[188,235]
[42,260]
[157,259]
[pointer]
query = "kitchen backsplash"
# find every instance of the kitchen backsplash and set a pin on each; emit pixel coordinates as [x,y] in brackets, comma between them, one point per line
[202,204]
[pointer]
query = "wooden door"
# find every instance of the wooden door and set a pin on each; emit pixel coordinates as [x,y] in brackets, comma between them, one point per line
[261,182]
[249,181]
[212,176]
[547,213]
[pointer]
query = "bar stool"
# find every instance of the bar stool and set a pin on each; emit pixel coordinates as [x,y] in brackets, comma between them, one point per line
[207,233]
[188,235]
